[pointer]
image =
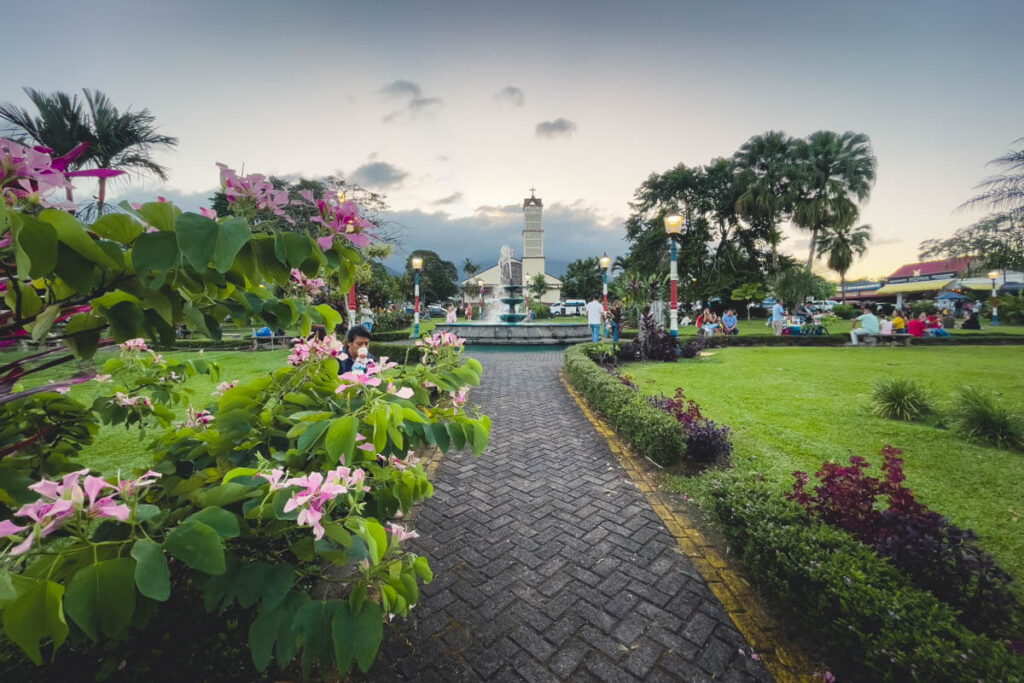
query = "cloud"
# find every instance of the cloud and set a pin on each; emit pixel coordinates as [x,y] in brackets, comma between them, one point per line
[402,88]
[186,201]
[379,174]
[560,126]
[453,198]
[511,95]
[442,158]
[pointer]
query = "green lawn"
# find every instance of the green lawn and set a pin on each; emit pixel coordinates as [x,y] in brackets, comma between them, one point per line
[116,448]
[792,408]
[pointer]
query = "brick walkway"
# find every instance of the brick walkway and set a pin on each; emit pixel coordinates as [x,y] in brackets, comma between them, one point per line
[549,564]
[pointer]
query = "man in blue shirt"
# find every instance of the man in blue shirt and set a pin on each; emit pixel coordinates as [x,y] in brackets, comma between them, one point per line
[729,322]
[868,325]
[778,317]
[358,337]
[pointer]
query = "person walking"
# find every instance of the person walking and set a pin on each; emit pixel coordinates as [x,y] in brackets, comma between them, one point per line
[778,317]
[452,315]
[595,313]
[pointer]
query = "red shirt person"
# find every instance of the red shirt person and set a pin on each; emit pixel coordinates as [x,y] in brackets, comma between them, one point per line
[917,326]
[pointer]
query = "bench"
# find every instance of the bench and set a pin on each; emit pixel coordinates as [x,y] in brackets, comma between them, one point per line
[268,342]
[889,339]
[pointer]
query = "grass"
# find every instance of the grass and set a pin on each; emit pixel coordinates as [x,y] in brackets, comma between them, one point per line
[114,448]
[792,408]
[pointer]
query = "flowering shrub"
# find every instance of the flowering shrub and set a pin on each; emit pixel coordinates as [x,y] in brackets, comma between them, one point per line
[933,552]
[654,342]
[705,442]
[273,499]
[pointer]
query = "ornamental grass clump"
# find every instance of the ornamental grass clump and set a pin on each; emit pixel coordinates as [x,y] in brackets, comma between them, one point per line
[979,415]
[901,399]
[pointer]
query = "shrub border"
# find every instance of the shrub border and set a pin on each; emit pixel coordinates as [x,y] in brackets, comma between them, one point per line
[653,433]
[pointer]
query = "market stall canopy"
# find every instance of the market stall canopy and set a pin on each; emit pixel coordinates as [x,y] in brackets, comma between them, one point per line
[907,287]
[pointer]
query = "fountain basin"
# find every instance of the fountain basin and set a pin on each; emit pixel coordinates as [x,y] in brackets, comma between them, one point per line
[511,317]
[519,334]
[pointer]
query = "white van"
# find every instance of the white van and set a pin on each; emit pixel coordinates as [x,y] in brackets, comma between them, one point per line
[569,307]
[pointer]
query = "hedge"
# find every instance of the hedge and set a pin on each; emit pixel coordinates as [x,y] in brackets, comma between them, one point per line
[871,624]
[841,339]
[652,432]
[395,352]
[390,336]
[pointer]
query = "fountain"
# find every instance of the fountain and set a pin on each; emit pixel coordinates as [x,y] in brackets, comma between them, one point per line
[506,326]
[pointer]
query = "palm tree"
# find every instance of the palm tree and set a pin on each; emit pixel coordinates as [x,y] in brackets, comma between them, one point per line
[841,244]
[832,170]
[60,125]
[767,198]
[122,140]
[1004,192]
[117,140]
[538,286]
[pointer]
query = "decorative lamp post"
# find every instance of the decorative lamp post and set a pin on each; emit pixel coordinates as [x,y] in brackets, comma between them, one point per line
[480,281]
[995,307]
[674,226]
[417,264]
[605,262]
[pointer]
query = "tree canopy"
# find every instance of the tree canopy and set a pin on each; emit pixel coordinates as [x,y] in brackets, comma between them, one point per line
[437,277]
[582,278]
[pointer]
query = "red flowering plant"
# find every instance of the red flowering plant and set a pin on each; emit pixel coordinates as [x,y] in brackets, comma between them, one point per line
[275,498]
[931,551]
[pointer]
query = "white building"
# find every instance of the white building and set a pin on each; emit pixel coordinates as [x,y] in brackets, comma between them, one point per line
[523,269]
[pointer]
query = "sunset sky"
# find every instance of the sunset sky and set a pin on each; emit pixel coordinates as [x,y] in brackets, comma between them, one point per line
[455,109]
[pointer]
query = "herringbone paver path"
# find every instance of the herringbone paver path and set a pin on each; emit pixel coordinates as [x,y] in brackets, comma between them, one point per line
[550,564]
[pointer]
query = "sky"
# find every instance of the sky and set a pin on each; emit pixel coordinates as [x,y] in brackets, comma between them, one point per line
[455,109]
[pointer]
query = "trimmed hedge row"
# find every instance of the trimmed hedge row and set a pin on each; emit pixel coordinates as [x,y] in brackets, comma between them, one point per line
[840,339]
[871,623]
[398,353]
[395,352]
[652,432]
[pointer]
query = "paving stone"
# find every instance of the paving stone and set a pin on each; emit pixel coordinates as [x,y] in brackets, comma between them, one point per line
[549,563]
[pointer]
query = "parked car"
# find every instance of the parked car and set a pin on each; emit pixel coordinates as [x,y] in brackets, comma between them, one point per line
[437,311]
[1011,289]
[569,307]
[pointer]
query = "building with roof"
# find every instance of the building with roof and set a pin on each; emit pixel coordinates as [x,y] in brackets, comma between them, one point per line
[487,283]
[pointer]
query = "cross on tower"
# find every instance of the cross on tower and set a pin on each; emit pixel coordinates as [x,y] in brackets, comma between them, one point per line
[532,191]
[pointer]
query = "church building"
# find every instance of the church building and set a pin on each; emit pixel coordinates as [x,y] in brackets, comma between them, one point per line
[525,267]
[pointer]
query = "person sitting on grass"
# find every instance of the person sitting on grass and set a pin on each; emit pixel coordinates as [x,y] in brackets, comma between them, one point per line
[972,322]
[730,322]
[358,337]
[868,325]
[916,327]
[711,326]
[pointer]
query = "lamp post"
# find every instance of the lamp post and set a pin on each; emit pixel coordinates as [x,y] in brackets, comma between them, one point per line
[605,262]
[417,263]
[995,307]
[674,226]
[480,314]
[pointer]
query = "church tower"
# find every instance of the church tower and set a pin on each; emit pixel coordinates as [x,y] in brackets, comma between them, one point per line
[533,237]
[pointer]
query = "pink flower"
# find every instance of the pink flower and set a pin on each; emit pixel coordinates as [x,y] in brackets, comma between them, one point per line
[274,478]
[459,398]
[127,487]
[209,213]
[310,501]
[358,379]
[102,378]
[400,533]
[253,189]
[137,344]
[404,392]
[338,217]
[225,386]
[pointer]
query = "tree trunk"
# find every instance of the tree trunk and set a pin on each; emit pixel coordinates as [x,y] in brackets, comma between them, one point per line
[842,286]
[102,198]
[814,240]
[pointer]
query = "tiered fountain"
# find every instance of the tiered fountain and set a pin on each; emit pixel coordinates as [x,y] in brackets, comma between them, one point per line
[506,326]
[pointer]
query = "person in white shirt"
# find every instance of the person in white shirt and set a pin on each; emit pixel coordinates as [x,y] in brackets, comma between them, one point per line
[885,325]
[595,313]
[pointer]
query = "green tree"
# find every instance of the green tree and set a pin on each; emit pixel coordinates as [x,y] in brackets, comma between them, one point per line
[833,172]
[996,241]
[1004,192]
[767,196]
[437,277]
[841,244]
[582,279]
[469,268]
[538,286]
[61,123]
[751,293]
[798,282]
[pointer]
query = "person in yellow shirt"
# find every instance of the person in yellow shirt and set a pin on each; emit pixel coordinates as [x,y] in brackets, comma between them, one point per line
[899,325]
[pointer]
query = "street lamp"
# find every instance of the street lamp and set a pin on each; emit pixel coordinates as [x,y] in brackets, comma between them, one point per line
[674,226]
[605,262]
[992,275]
[417,264]
[480,313]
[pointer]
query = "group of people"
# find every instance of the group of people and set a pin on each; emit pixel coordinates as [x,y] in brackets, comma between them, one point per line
[709,323]
[867,323]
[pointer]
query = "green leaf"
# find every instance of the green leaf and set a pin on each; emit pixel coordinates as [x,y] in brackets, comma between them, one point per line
[481,434]
[422,567]
[458,435]
[158,214]
[311,435]
[82,333]
[474,365]
[197,239]
[380,421]
[151,573]
[312,624]
[367,631]
[24,299]
[239,472]
[198,545]
[341,437]
[441,437]
[225,494]
[331,317]
[292,248]
[270,627]
[118,227]
[35,246]
[280,578]
[111,299]
[231,237]
[154,252]
[71,232]
[380,538]
[223,522]
[125,320]
[343,636]
[37,614]
[414,416]
[101,597]
[44,321]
